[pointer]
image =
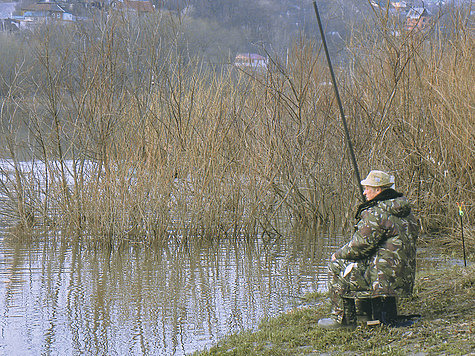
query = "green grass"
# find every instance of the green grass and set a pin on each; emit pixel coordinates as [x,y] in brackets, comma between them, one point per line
[443,296]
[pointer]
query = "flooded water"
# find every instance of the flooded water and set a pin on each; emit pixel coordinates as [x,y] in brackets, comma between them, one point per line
[64,299]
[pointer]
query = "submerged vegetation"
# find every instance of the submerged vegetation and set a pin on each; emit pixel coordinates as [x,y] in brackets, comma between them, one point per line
[116,133]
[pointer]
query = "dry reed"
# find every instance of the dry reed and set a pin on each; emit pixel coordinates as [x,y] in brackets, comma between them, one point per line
[130,139]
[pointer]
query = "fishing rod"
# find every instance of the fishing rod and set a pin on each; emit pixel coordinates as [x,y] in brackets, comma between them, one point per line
[461,228]
[340,106]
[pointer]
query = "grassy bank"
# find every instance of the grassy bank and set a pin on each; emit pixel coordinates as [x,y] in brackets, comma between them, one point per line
[444,296]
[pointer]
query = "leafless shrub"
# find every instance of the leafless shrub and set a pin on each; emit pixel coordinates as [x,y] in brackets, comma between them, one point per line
[132,139]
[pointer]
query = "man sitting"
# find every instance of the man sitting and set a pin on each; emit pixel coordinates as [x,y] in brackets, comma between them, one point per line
[380,258]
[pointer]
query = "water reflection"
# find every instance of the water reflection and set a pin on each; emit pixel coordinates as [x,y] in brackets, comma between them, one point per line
[63,298]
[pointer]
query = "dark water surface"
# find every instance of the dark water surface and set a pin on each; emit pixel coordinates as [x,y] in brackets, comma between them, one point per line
[66,299]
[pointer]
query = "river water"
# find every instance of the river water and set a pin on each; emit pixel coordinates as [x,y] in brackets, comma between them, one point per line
[60,298]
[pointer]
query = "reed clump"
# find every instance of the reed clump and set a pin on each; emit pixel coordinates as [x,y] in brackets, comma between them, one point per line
[119,134]
[416,103]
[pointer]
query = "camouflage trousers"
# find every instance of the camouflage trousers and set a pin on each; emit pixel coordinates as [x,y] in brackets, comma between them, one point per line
[345,277]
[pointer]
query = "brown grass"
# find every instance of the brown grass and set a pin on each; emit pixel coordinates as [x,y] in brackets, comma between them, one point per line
[161,146]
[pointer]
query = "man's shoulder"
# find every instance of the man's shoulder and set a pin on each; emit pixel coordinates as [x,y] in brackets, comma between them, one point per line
[398,207]
[377,210]
[384,209]
[372,216]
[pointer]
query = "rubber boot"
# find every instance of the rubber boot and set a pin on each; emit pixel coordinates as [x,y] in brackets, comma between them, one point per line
[364,311]
[349,314]
[385,310]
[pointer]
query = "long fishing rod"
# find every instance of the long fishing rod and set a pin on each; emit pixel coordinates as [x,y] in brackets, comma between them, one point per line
[461,228]
[342,114]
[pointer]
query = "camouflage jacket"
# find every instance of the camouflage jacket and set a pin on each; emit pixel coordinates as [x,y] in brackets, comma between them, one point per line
[384,248]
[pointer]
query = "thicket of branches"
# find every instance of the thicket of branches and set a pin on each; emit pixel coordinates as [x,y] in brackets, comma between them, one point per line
[120,134]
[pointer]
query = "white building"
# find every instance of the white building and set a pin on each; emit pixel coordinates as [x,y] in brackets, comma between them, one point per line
[251,60]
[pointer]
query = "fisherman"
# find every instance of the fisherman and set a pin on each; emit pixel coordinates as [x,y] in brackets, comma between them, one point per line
[380,258]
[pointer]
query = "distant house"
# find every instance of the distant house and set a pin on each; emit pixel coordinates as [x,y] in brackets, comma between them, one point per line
[399,5]
[139,6]
[394,4]
[45,11]
[250,60]
[417,19]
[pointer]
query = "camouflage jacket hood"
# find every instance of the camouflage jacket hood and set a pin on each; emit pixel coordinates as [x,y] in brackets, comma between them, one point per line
[384,246]
[384,195]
